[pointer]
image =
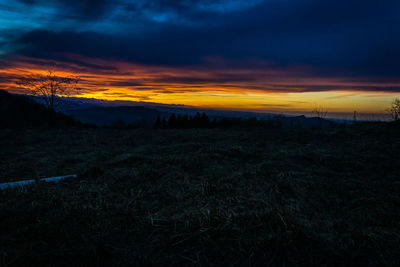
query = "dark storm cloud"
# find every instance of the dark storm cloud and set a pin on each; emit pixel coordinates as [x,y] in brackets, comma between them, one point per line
[354,37]
[82,9]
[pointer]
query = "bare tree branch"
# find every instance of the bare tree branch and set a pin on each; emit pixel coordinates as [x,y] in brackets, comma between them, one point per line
[49,86]
[320,112]
[394,109]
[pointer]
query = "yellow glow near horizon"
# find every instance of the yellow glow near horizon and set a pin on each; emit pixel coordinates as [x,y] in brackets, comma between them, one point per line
[365,102]
[259,90]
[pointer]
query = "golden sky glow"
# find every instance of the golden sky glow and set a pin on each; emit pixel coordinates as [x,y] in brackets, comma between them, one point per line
[260,88]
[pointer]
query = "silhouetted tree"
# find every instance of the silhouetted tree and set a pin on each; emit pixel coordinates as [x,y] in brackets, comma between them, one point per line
[214,123]
[200,120]
[354,116]
[179,121]
[172,121]
[185,122]
[196,121]
[157,124]
[204,121]
[394,110]
[49,86]
[320,112]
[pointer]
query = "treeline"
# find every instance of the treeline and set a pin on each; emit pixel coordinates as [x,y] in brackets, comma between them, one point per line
[201,120]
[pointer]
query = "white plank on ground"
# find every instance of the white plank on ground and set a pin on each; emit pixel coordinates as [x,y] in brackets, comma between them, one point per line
[30,181]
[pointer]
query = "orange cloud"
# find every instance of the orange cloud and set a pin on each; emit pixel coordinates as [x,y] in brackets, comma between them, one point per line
[256,87]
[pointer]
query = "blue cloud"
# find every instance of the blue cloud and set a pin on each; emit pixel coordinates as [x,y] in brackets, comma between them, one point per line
[356,37]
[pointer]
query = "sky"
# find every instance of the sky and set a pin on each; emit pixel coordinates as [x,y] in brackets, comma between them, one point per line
[254,55]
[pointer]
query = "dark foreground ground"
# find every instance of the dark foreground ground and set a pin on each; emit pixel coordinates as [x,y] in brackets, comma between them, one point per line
[202,197]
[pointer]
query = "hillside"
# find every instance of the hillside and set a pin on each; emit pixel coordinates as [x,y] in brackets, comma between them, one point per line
[18,111]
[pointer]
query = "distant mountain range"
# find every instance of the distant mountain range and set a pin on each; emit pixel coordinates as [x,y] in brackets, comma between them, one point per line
[110,113]
[144,114]
[107,113]
[28,111]
[76,103]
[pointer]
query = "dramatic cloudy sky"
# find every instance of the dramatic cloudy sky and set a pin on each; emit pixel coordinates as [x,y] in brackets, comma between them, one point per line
[279,55]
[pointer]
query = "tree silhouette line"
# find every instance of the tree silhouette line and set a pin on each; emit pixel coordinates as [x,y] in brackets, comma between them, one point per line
[200,120]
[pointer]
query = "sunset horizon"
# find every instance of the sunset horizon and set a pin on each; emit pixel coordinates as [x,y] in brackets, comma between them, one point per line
[199,133]
[201,87]
[261,56]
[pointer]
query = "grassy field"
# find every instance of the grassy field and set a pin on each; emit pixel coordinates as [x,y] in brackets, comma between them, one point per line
[246,197]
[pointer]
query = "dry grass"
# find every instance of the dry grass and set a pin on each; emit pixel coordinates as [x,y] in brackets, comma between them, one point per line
[202,197]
